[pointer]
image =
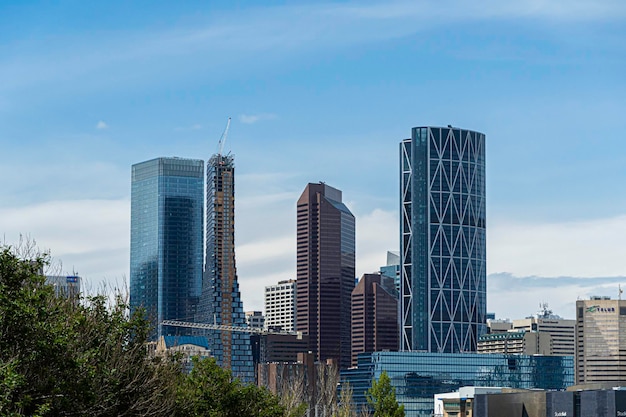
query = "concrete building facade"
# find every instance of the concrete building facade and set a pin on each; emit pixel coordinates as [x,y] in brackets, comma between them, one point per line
[600,341]
[516,342]
[280,305]
[255,319]
[562,331]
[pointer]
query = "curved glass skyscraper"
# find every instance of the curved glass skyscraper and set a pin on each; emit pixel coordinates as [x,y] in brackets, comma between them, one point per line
[442,229]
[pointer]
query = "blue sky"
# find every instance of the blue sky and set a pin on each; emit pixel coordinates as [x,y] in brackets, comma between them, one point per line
[322,91]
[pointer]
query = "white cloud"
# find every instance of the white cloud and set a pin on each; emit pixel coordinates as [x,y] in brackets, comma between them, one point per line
[253,118]
[91,236]
[585,248]
[102,125]
[514,297]
[376,233]
[557,263]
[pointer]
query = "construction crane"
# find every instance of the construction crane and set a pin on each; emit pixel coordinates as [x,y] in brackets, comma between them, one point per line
[220,144]
[208,326]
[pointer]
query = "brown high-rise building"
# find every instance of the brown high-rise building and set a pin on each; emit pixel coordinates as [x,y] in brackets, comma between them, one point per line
[374,315]
[221,300]
[326,272]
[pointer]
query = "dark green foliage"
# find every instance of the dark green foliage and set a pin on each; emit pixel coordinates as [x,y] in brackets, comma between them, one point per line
[382,398]
[62,357]
[70,357]
[211,391]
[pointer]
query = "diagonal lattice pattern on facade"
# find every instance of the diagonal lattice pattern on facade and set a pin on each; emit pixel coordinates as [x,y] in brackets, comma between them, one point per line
[443,257]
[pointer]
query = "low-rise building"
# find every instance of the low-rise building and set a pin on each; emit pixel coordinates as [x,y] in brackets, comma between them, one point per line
[255,319]
[418,376]
[516,342]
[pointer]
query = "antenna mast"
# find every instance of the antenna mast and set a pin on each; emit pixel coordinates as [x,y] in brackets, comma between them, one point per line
[220,144]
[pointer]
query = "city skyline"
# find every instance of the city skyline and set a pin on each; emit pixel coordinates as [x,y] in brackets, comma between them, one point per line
[93,89]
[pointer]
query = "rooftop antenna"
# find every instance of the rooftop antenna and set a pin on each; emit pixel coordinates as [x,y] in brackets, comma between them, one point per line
[220,144]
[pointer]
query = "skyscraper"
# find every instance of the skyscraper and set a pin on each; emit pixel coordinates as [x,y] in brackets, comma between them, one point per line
[166,239]
[600,341]
[442,229]
[325,272]
[374,315]
[221,299]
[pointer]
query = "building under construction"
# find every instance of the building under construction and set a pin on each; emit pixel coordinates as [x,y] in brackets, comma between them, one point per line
[221,300]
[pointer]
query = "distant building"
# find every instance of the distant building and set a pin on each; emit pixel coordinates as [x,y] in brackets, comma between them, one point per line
[374,315]
[516,342]
[543,333]
[280,305]
[392,268]
[187,346]
[601,341]
[255,319]
[325,272]
[306,381]
[460,403]
[166,224]
[562,331]
[65,286]
[418,376]
[268,347]
[542,403]
[443,240]
[498,325]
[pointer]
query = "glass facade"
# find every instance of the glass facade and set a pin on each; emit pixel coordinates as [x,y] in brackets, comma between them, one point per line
[443,248]
[166,239]
[221,300]
[418,376]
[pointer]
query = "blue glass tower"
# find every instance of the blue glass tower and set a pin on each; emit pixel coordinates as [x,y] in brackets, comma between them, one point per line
[166,250]
[418,376]
[442,229]
[221,300]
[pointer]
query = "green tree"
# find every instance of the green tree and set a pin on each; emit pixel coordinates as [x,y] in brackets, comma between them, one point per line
[211,391]
[382,398]
[59,356]
[78,357]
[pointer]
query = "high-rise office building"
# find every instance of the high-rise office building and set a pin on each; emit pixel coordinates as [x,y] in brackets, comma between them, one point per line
[442,229]
[374,315]
[280,305]
[562,331]
[601,341]
[166,224]
[325,272]
[221,300]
